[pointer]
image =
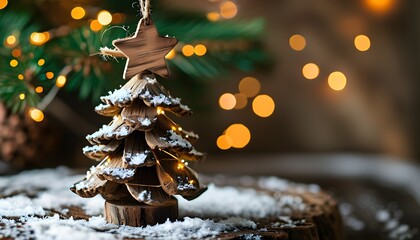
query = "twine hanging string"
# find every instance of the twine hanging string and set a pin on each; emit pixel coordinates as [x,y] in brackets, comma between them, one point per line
[145,10]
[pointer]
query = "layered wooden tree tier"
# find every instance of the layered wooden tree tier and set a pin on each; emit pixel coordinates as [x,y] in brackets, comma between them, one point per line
[143,155]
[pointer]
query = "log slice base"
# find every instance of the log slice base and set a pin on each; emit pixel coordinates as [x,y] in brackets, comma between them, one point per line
[137,214]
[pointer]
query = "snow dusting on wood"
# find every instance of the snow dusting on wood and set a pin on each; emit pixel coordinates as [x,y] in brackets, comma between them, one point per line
[119,173]
[35,205]
[176,140]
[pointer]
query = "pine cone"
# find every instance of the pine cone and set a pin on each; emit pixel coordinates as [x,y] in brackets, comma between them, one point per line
[23,142]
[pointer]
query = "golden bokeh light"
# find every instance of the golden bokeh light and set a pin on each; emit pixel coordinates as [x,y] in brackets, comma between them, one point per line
[39,38]
[61,81]
[249,86]
[118,18]
[263,106]
[213,16]
[104,17]
[228,9]
[39,89]
[78,13]
[95,26]
[41,62]
[188,50]
[49,75]
[337,81]
[36,114]
[241,101]
[3,4]
[22,96]
[200,50]
[224,142]
[171,54]
[362,43]
[227,101]
[297,42]
[21,77]
[310,71]
[14,63]
[11,40]
[240,135]
[380,6]
[16,52]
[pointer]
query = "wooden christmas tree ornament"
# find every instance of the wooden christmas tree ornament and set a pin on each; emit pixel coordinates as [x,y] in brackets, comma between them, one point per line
[146,50]
[143,154]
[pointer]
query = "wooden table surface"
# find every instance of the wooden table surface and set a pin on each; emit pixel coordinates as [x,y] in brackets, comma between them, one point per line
[364,185]
[378,197]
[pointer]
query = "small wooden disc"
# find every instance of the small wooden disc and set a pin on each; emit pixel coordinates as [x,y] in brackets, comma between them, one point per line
[139,214]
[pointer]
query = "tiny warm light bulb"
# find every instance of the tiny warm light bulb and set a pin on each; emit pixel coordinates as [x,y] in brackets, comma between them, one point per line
[180,166]
[362,43]
[227,101]
[38,38]
[263,106]
[104,17]
[22,96]
[95,25]
[11,40]
[3,4]
[61,81]
[14,63]
[41,62]
[171,54]
[213,16]
[239,134]
[160,111]
[39,89]
[337,81]
[78,13]
[249,86]
[228,9]
[180,129]
[173,128]
[224,142]
[200,50]
[36,114]
[16,53]
[380,6]
[49,75]
[310,71]
[191,182]
[297,42]
[118,18]
[21,77]
[188,50]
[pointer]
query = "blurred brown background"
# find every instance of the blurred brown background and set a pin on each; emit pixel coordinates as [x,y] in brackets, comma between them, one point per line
[377,110]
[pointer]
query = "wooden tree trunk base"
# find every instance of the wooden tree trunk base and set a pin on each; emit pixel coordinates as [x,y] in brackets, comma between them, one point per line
[138,214]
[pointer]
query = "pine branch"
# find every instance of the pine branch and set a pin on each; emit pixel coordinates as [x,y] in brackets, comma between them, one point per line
[197,28]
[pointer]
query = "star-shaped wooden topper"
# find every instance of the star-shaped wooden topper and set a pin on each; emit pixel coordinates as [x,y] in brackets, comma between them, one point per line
[145,51]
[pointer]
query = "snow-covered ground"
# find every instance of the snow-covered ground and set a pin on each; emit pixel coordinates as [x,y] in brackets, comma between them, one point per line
[32,205]
[29,197]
